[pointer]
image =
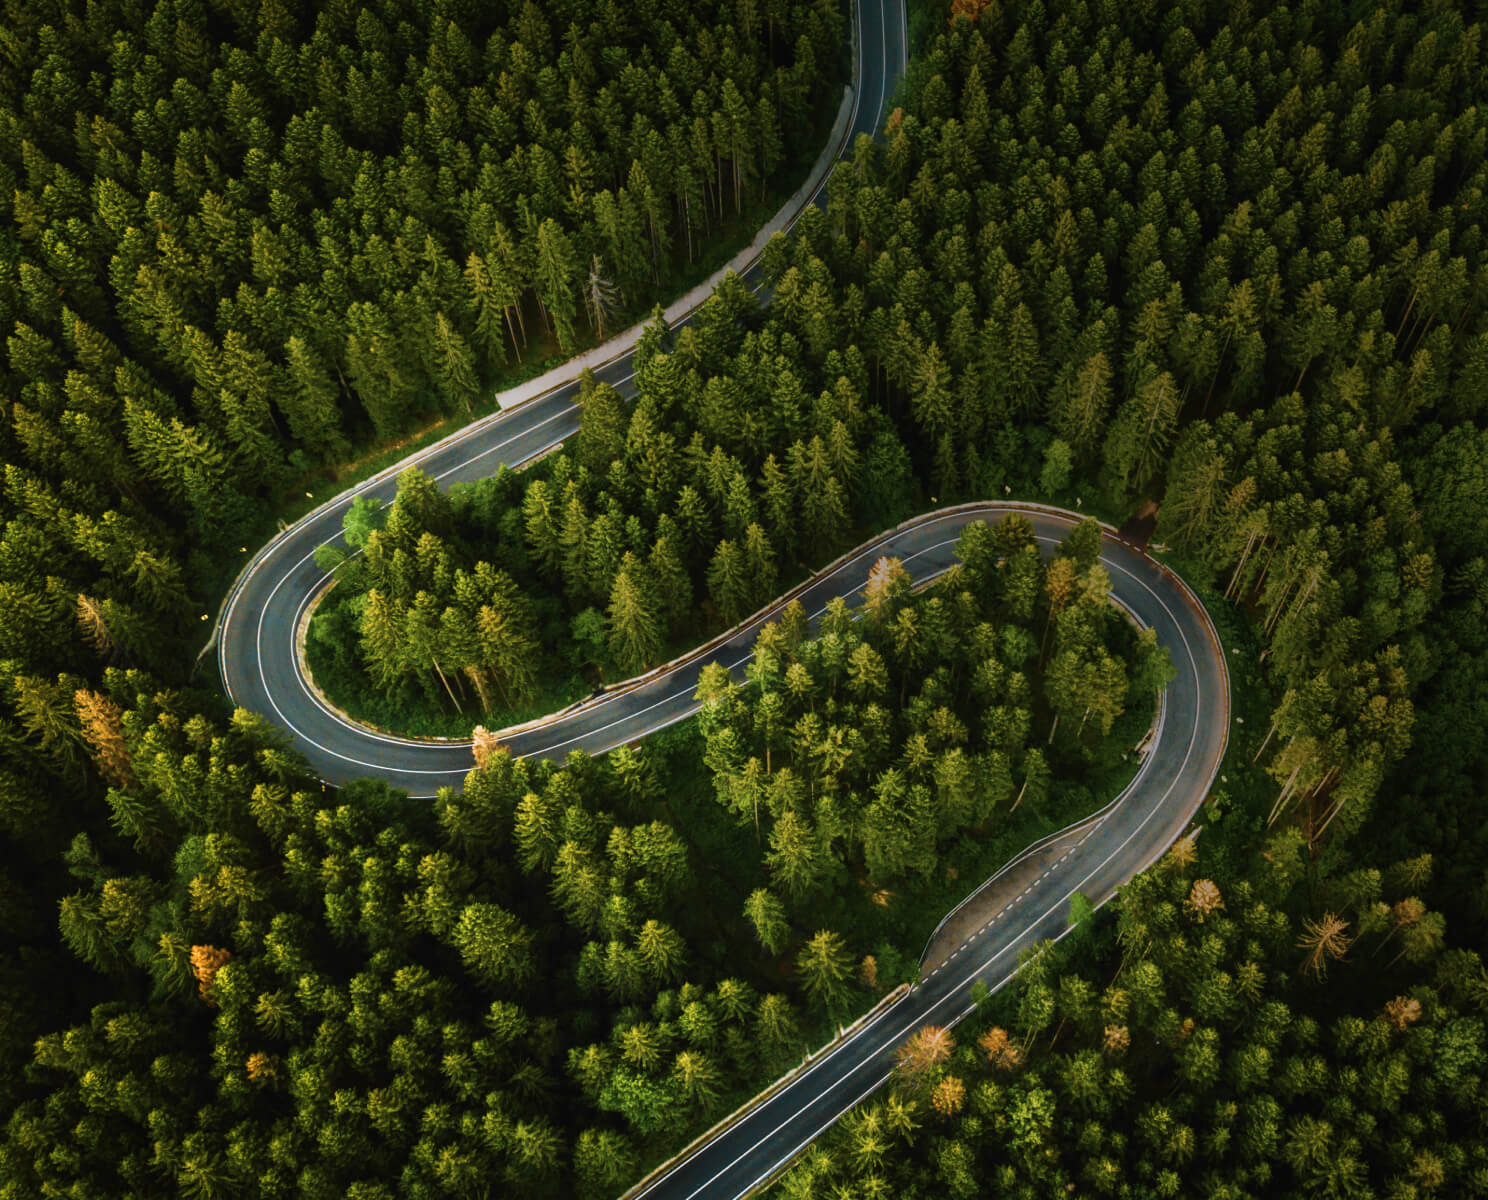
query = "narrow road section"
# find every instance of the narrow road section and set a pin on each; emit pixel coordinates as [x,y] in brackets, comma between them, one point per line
[1152,812]
[1173,780]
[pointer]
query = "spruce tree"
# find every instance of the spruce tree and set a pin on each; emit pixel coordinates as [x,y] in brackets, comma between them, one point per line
[634,629]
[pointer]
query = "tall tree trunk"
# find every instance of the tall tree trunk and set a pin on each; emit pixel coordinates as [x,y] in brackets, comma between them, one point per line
[1416,291]
[447,687]
[1275,614]
[1281,799]
[1267,742]
[1266,567]
[512,329]
[482,686]
[1240,566]
[1333,812]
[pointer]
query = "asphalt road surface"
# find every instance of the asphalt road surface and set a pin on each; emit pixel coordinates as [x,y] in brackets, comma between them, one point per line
[1173,780]
[256,645]
[256,656]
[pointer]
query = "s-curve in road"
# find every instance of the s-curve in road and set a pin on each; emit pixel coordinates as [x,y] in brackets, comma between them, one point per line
[256,631]
[1188,744]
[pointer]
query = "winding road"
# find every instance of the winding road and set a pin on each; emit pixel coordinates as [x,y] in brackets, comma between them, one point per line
[260,668]
[255,632]
[1095,859]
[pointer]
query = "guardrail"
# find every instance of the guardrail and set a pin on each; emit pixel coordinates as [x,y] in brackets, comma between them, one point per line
[1043,843]
[1102,813]
[561,376]
[758,617]
[1192,600]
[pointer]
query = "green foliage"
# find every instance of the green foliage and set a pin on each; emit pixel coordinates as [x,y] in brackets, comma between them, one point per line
[869,749]
[518,963]
[1227,261]
[355,979]
[1185,1058]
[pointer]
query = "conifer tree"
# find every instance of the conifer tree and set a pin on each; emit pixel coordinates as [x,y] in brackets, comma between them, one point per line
[556,279]
[767,915]
[311,403]
[455,363]
[634,629]
[825,967]
[728,582]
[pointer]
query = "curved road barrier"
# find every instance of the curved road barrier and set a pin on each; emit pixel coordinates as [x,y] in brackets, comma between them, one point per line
[1110,847]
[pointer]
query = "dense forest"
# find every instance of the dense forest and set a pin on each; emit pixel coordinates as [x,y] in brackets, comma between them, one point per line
[1248,1030]
[1231,259]
[547,977]
[1224,257]
[245,234]
[739,465]
[243,240]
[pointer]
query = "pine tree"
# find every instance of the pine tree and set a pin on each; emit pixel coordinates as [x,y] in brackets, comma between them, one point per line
[794,857]
[542,524]
[728,582]
[311,403]
[508,646]
[696,1078]
[508,279]
[556,278]
[376,367]
[494,945]
[825,968]
[601,297]
[767,915]
[604,1162]
[634,629]
[382,639]
[602,426]
[778,499]
[490,314]
[759,566]
[1141,432]
[100,721]
[1080,403]
[455,363]
[673,586]
[574,543]
[662,951]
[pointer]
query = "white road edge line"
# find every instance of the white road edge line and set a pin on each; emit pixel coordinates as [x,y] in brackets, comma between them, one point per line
[978,970]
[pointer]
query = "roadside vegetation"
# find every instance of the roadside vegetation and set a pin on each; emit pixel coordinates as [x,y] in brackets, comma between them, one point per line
[559,972]
[1250,248]
[1224,260]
